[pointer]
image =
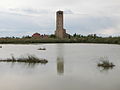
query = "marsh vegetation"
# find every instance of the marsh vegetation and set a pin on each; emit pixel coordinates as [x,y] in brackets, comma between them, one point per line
[75,38]
[28,59]
[105,64]
[41,48]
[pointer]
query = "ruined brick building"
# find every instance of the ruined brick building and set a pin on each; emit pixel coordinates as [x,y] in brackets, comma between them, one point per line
[60,31]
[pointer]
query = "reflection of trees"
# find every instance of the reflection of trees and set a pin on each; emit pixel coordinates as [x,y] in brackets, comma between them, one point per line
[60,65]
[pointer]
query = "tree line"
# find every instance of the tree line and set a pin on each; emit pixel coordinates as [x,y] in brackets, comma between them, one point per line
[75,38]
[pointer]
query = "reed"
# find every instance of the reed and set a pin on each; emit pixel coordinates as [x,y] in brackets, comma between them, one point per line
[28,59]
[105,64]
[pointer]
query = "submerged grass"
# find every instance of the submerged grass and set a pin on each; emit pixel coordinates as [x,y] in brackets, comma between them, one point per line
[28,59]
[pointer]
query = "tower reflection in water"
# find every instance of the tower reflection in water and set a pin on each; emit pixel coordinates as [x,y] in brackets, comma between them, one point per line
[60,66]
[60,59]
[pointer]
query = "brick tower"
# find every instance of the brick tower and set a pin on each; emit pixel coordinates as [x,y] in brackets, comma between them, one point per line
[60,31]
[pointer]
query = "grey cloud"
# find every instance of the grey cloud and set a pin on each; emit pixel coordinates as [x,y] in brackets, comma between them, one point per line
[30,11]
[68,12]
[13,13]
[12,22]
[64,2]
[90,24]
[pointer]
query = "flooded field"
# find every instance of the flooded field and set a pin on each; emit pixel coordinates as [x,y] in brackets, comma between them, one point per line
[69,67]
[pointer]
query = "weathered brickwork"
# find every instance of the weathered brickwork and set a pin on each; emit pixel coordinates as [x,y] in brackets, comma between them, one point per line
[60,31]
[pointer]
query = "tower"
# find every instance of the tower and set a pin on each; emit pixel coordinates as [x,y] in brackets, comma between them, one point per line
[60,31]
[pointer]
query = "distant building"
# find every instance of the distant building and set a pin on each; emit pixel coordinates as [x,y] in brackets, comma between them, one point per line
[60,31]
[36,35]
[44,36]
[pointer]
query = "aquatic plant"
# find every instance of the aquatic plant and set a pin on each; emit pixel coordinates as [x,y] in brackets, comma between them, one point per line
[29,59]
[41,48]
[105,64]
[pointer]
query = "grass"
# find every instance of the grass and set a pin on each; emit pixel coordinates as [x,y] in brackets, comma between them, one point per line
[28,59]
[106,64]
[41,48]
[80,39]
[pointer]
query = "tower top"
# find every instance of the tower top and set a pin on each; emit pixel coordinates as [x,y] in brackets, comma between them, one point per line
[60,12]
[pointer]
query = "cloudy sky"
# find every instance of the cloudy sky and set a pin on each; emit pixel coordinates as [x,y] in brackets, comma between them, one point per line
[25,17]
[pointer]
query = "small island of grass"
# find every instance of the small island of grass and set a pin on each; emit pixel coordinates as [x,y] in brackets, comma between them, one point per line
[29,59]
[106,64]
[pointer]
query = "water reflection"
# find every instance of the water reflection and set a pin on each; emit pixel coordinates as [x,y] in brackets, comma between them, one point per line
[30,65]
[105,69]
[60,59]
[60,66]
[24,65]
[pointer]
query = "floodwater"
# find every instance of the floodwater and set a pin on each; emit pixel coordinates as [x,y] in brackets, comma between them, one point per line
[69,67]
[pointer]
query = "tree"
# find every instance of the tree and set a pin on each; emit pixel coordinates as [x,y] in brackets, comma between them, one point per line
[52,36]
